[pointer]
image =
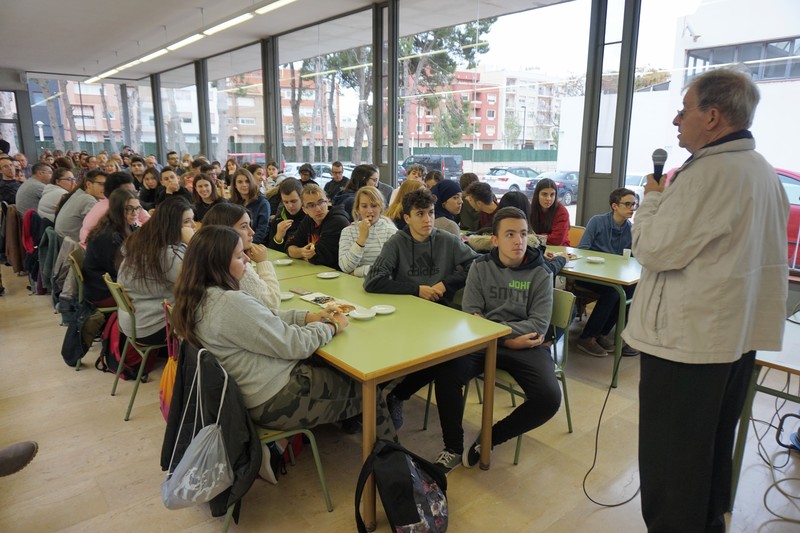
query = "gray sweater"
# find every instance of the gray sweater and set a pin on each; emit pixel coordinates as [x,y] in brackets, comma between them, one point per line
[70,217]
[256,347]
[521,297]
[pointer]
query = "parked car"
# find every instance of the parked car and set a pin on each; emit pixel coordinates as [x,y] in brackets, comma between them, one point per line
[791,184]
[566,181]
[636,183]
[452,166]
[505,179]
[291,170]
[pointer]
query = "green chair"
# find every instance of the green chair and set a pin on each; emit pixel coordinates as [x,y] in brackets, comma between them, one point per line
[124,305]
[75,259]
[271,435]
[563,302]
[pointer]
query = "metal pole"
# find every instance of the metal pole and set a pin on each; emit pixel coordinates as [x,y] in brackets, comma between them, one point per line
[524,120]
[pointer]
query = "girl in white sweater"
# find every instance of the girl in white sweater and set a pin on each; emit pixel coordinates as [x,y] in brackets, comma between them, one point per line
[360,243]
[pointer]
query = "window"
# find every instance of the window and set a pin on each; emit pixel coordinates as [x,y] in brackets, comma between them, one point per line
[490,114]
[770,60]
[428,128]
[247,121]
[491,98]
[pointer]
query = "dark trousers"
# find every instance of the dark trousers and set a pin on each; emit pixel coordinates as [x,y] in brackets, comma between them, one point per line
[606,309]
[687,421]
[532,369]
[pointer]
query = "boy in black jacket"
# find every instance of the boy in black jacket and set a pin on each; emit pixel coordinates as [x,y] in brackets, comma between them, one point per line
[317,238]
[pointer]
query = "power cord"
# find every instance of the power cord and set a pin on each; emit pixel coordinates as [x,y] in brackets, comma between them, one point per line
[596,445]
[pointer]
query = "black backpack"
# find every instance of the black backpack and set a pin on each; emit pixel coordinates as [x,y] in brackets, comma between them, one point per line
[412,490]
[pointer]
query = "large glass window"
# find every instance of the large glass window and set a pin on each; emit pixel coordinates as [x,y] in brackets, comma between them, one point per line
[236,101]
[141,124]
[326,91]
[179,107]
[9,131]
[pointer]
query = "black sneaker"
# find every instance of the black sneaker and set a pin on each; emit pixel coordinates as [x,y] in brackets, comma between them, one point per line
[352,425]
[447,460]
[472,455]
[395,406]
[629,351]
[272,463]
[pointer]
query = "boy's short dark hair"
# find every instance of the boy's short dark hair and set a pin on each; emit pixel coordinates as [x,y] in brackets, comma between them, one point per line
[505,213]
[139,159]
[308,169]
[116,180]
[617,194]
[418,199]
[434,175]
[481,191]
[290,185]
[467,179]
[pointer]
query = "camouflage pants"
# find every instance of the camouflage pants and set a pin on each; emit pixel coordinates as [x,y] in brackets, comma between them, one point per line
[318,394]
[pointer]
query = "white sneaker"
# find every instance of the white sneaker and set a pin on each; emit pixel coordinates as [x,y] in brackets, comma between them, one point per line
[266,472]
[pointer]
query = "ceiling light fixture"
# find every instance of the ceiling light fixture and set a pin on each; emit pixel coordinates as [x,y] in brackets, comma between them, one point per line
[154,55]
[189,40]
[273,6]
[228,23]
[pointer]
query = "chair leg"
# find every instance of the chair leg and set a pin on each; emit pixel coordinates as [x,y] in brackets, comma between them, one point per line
[291,453]
[563,379]
[138,380]
[78,365]
[427,406]
[226,524]
[120,365]
[480,392]
[519,447]
[321,473]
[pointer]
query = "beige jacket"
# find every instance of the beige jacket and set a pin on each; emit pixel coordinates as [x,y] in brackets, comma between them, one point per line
[714,256]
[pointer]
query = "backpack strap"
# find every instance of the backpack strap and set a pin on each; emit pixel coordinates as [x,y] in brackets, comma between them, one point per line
[366,470]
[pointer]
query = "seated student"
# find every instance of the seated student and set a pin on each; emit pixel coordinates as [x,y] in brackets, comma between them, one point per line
[74,206]
[609,233]
[421,260]
[273,180]
[31,190]
[307,174]
[432,178]
[244,191]
[205,196]
[231,166]
[9,185]
[548,216]
[103,246]
[317,237]
[481,197]
[361,176]
[150,185]
[338,181]
[62,183]
[260,279]
[268,353]
[171,186]
[468,219]
[395,209]
[152,262]
[448,205]
[288,215]
[414,173]
[361,241]
[118,180]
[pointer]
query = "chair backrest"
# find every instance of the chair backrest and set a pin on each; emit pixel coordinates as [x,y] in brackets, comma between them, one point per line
[121,297]
[562,308]
[75,259]
[575,234]
[173,342]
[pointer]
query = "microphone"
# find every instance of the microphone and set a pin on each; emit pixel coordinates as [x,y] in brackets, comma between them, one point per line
[659,158]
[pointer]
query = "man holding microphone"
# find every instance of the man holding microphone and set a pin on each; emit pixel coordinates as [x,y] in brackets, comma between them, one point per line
[713,291]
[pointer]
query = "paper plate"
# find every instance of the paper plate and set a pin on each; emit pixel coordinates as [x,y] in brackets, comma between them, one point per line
[362,314]
[383,309]
[283,262]
[595,259]
[286,296]
[328,275]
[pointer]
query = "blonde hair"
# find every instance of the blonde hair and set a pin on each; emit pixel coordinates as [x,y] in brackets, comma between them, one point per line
[396,207]
[313,188]
[373,195]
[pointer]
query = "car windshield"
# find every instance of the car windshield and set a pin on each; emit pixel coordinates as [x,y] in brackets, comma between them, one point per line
[633,180]
[555,176]
[497,172]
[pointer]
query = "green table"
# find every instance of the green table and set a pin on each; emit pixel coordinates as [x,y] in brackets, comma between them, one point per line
[297,269]
[419,334]
[616,272]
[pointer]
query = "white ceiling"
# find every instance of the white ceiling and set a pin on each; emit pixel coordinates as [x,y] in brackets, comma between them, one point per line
[83,38]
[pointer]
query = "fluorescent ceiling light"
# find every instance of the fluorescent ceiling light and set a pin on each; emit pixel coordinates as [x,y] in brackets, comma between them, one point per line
[189,40]
[273,6]
[92,80]
[108,73]
[229,23]
[129,65]
[154,55]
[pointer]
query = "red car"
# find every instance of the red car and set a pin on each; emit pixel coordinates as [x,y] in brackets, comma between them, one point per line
[791,183]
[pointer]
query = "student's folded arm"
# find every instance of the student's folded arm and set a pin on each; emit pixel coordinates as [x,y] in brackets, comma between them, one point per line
[350,253]
[380,279]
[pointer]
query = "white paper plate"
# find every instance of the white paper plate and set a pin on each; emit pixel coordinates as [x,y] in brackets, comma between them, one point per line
[286,296]
[283,262]
[361,313]
[328,275]
[595,259]
[383,309]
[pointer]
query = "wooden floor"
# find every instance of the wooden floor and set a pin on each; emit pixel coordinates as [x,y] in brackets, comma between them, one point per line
[95,472]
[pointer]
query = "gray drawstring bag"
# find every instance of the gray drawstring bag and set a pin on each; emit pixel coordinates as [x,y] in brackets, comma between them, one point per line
[204,471]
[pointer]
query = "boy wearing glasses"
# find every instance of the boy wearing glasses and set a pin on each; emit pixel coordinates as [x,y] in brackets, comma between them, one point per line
[60,184]
[317,238]
[609,233]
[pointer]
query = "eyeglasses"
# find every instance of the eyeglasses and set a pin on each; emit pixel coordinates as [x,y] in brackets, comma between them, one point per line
[316,204]
[132,209]
[630,205]
[682,112]
[67,179]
